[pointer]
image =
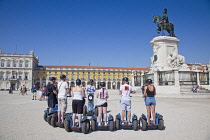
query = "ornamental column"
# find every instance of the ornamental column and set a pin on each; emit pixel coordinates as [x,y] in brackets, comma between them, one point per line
[142,78]
[106,85]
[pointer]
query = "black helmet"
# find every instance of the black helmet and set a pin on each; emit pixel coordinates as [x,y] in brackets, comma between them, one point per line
[52,78]
[125,79]
[78,82]
[149,81]
[102,84]
[91,80]
[63,76]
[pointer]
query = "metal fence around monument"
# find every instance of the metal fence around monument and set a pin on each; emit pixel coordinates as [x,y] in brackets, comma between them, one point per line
[187,78]
[166,78]
[204,78]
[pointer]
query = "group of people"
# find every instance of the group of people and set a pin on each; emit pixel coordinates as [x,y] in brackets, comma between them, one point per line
[57,94]
[195,89]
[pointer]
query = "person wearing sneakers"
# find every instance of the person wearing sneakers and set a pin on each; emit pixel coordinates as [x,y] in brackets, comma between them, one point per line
[78,94]
[63,90]
[90,90]
[149,94]
[102,103]
[52,93]
[125,102]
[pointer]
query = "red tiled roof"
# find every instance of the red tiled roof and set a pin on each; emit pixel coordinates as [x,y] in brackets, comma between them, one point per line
[95,67]
[190,67]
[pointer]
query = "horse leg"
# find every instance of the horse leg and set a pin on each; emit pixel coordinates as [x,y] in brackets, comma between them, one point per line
[162,31]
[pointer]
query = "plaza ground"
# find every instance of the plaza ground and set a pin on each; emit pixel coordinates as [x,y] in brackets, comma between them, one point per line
[22,118]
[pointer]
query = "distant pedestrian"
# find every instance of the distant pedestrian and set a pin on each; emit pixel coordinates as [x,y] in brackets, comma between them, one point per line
[23,90]
[142,89]
[10,90]
[34,90]
[43,91]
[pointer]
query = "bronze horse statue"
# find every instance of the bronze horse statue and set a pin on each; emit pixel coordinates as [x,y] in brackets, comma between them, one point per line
[160,24]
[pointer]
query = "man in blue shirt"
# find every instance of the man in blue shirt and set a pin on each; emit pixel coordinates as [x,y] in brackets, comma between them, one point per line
[34,89]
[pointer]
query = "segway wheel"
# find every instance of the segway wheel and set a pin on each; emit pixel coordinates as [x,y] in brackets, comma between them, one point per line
[143,124]
[135,125]
[84,110]
[67,125]
[45,117]
[161,124]
[86,127]
[53,121]
[117,124]
[111,126]
[93,125]
[49,119]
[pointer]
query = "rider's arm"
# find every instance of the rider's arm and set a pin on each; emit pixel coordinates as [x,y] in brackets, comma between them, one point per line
[145,89]
[83,93]
[132,90]
[154,90]
[72,94]
[120,91]
[107,95]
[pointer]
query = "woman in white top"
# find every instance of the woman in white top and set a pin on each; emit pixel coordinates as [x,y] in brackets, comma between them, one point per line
[78,95]
[102,103]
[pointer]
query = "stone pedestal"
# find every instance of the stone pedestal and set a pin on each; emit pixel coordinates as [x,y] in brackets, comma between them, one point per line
[164,48]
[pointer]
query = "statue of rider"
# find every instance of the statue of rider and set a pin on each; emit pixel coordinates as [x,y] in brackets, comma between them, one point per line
[165,18]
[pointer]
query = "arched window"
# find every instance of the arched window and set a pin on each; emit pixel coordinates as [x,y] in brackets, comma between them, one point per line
[14,63]
[26,63]
[8,63]
[21,64]
[1,75]
[2,63]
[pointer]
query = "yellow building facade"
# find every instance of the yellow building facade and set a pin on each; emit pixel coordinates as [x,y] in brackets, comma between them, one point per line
[112,76]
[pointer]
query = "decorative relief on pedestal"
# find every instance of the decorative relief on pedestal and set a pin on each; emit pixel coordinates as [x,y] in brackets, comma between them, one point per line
[156,47]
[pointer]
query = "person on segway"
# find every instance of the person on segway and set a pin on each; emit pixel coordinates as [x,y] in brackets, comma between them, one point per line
[149,94]
[52,93]
[90,91]
[63,90]
[78,95]
[102,104]
[125,102]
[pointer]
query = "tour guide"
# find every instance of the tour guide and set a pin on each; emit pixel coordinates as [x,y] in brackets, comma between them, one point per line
[90,90]
[52,93]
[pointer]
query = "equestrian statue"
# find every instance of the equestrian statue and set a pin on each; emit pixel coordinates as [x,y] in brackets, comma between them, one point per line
[164,24]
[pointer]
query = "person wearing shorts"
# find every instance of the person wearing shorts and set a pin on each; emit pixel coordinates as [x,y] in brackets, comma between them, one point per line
[34,90]
[150,102]
[52,93]
[78,95]
[125,102]
[63,90]
[102,103]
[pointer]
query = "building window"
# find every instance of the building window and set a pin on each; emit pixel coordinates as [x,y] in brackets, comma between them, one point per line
[20,64]
[26,64]
[2,63]
[14,64]
[8,63]
[1,76]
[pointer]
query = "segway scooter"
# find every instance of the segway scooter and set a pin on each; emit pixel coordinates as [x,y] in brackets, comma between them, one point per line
[90,110]
[109,126]
[48,115]
[159,122]
[120,125]
[68,124]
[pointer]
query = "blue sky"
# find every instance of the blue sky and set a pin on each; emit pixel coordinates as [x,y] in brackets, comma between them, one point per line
[108,32]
